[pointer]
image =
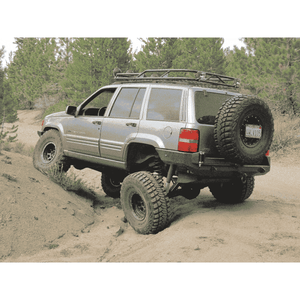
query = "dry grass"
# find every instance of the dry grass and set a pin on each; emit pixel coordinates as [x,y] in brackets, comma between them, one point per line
[70,183]
[17,147]
[286,134]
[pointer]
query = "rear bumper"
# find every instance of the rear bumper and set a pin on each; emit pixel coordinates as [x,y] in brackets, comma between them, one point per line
[210,166]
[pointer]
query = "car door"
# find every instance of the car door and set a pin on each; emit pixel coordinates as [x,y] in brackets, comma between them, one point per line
[82,133]
[121,125]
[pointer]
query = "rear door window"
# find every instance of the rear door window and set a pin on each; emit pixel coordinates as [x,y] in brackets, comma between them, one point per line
[164,104]
[128,103]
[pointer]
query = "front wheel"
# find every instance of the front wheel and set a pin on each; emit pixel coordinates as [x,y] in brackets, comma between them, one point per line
[144,203]
[233,192]
[48,152]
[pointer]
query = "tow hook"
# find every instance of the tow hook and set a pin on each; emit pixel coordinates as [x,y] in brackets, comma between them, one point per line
[201,158]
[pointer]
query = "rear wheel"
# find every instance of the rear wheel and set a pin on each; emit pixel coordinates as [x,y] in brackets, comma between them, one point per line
[144,203]
[233,192]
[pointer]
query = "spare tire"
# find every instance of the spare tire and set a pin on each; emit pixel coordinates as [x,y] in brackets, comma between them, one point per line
[244,130]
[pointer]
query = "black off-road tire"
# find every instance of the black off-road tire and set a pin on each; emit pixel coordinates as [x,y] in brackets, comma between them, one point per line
[230,128]
[233,192]
[48,153]
[144,202]
[111,184]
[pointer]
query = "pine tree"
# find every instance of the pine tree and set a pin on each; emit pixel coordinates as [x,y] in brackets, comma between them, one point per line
[8,111]
[156,53]
[238,64]
[64,50]
[269,68]
[8,105]
[92,64]
[203,54]
[18,71]
[31,72]
[2,51]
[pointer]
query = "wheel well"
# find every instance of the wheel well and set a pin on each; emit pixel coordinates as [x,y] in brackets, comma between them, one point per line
[139,156]
[49,128]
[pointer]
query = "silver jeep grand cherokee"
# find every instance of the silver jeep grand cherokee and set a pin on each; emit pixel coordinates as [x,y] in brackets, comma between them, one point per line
[155,136]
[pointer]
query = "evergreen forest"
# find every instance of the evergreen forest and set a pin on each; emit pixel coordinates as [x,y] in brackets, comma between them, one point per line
[51,73]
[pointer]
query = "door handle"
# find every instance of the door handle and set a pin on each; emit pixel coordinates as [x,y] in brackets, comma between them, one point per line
[97,122]
[131,124]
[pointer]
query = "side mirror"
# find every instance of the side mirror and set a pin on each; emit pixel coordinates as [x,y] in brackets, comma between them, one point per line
[71,110]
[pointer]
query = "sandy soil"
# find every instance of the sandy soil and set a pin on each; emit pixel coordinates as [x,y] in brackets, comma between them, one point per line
[41,222]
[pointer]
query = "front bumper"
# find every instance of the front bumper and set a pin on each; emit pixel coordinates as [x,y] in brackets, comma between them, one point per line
[211,167]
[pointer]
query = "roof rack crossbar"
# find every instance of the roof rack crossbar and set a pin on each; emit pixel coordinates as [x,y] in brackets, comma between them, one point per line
[203,77]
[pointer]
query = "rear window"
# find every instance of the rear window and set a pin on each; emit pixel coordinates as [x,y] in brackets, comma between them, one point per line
[164,104]
[207,106]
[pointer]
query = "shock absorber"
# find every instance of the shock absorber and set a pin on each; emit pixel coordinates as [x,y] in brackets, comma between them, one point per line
[156,166]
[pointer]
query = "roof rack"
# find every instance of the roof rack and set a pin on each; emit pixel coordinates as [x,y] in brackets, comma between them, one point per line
[199,77]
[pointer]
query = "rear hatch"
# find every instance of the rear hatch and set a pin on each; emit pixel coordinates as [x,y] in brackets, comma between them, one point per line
[207,104]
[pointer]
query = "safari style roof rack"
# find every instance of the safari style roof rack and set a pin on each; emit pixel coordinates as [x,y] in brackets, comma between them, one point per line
[199,77]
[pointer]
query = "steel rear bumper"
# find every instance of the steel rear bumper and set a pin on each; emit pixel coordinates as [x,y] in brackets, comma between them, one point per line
[200,165]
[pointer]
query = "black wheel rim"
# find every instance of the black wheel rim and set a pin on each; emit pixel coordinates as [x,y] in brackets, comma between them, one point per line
[48,153]
[115,182]
[138,207]
[251,119]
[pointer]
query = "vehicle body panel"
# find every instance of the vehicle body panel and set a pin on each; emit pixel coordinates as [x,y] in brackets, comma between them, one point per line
[82,134]
[115,134]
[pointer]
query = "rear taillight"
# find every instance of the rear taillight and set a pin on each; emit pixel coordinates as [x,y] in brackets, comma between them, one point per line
[188,140]
[268,153]
[43,123]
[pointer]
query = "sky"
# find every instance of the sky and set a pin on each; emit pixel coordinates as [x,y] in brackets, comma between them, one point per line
[193,18]
[8,42]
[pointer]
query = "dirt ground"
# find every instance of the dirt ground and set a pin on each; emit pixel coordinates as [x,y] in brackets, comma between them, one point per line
[41,222]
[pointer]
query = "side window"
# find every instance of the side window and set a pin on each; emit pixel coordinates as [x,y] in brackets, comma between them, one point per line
[98,104]
[164,104]
[102,99]
[136,108]
[128,103]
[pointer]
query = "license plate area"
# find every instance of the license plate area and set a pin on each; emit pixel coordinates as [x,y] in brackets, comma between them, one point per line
[253,131]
